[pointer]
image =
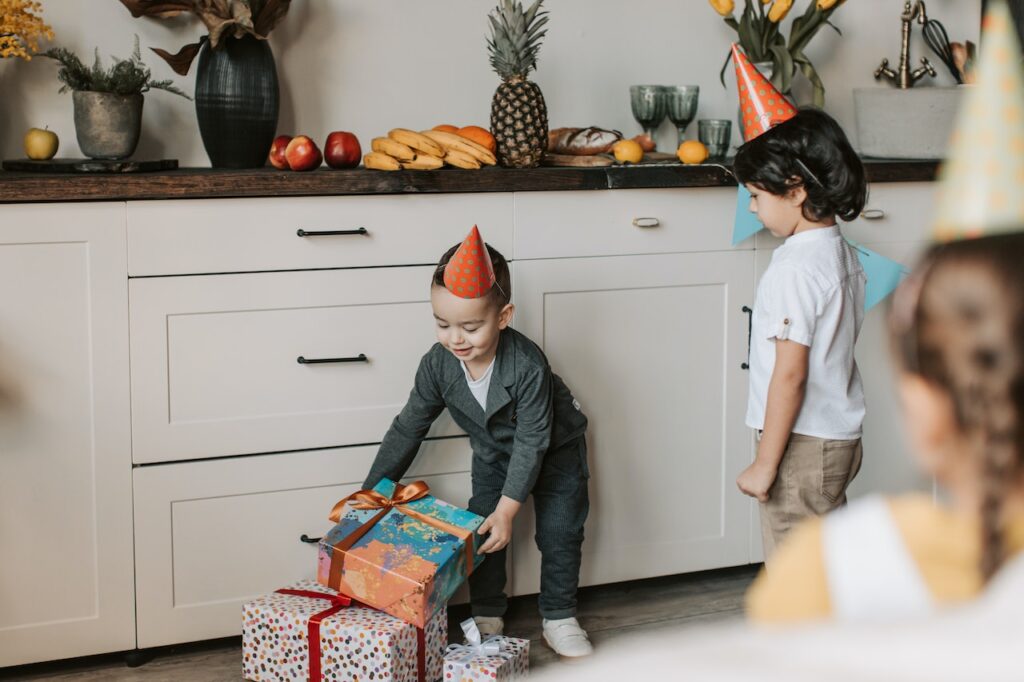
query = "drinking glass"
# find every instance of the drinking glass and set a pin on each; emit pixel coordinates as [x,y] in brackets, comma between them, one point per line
[715,134]
[648,102]
[681,101]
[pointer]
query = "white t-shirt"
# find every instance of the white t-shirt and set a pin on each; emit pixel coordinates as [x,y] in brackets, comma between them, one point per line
[479,387]
[813,294]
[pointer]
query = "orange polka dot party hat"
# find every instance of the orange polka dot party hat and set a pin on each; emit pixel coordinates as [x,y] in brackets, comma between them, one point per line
[470,273]
[981,189]
[761,105]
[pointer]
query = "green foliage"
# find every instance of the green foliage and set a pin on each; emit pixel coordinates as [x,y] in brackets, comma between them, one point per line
[125,77]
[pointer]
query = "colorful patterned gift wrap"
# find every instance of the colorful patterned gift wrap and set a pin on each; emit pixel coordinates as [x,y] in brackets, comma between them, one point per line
[399,549]
[495,659]
[350,643]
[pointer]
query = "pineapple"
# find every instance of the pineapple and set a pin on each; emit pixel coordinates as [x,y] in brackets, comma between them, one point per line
[519,117]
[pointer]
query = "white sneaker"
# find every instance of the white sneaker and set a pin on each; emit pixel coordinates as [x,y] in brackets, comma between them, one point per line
[490,625]
[567,638]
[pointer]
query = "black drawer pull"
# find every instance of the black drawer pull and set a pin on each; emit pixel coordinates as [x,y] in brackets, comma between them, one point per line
[331,233]
[308,540]
[323,361]
[750,330]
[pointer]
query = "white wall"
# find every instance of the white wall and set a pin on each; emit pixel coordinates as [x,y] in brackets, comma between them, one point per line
[369,65]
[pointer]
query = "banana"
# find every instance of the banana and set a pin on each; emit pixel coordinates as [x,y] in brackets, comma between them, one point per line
[423,162]
[379,161]
[417,141]
[452,141]
[461,159]
[397,150]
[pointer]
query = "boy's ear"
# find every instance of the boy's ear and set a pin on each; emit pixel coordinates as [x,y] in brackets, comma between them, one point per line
[797,195]
[505,316]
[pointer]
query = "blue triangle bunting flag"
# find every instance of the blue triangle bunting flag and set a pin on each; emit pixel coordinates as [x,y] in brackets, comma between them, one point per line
[883,274]
[747,223]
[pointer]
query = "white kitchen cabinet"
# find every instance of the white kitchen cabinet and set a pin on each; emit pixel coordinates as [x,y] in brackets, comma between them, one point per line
[652,346]
[212,535]
[215,359]
[66,578]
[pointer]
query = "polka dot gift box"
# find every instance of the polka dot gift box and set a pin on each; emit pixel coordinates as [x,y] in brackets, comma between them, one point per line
[496,659]
[356,644]
[399,549]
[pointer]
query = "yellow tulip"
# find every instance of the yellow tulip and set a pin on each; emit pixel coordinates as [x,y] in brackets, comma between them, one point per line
[723,7]
[779,10]
[826,4]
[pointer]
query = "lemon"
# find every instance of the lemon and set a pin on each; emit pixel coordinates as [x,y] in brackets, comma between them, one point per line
[628,151]
[692,152]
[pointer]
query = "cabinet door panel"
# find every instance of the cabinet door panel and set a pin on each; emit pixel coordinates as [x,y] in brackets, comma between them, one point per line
[66,581]
[652,347]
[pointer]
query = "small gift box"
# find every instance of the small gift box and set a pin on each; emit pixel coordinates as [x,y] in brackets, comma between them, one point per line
[493,659]
[399,549]
[312,633]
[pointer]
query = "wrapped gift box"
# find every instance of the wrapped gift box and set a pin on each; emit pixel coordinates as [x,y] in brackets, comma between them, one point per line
[406,558]
[355,643]
[466,663]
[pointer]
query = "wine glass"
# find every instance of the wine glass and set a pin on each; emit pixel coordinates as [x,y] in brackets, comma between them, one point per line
[648,102]
[681,101]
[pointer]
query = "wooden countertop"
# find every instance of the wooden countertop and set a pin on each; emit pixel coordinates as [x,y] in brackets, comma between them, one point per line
[204,183]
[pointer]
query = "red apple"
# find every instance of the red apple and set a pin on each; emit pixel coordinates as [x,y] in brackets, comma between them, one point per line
[342,150]
[302,154]
[277,148]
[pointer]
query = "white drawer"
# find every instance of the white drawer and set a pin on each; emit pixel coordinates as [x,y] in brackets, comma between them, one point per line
[210,536]
[577,224]
[214,360]
[901,212]
[254,235]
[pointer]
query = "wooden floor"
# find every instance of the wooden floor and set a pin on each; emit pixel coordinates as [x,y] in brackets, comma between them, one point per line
[607,612]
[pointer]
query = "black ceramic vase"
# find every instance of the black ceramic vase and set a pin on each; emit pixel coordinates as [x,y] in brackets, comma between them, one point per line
[237,101]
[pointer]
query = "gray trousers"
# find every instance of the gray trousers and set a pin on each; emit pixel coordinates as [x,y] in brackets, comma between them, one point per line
[561,504]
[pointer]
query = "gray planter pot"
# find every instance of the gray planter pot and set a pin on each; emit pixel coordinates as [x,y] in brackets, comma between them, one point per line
[107,125]
[906,124]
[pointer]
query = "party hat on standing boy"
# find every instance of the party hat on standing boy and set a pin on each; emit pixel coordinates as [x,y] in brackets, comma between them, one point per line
[982,183]
[761,105]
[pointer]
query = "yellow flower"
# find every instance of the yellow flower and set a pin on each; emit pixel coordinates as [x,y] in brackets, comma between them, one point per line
[21,28]
[826,4]
[723,7]
[779,10]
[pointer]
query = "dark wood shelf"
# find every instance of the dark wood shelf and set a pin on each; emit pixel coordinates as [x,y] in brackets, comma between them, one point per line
[205,183]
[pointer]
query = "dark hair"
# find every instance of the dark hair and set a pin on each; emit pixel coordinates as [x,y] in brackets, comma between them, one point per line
[501,294]
[808,150]
[958,323]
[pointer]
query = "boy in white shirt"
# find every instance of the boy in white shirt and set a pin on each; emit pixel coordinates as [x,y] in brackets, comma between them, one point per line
[806,397]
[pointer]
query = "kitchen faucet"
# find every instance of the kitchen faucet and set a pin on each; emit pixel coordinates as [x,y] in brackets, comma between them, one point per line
[905,78]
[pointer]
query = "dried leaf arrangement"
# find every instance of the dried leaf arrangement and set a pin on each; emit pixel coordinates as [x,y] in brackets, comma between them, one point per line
[222,18]
[124,77]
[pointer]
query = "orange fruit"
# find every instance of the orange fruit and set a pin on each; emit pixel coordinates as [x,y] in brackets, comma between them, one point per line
[445,128]
[692,152]
[481,136]
[628,151]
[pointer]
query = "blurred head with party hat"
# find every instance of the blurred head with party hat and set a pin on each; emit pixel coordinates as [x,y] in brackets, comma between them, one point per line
[981,189]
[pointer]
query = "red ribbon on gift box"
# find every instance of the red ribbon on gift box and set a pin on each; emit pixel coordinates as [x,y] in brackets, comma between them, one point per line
[338,602]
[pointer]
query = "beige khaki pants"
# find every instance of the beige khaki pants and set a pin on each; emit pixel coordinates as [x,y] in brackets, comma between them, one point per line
[812,480]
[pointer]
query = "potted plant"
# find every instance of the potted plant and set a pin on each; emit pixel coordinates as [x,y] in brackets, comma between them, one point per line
[760,35]
[21,28]
[237,94]
[108,102]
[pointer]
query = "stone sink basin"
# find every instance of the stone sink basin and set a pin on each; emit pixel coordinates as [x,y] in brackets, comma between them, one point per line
[906,124]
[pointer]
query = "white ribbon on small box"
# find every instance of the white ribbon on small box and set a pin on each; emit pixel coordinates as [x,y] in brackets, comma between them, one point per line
[475,645]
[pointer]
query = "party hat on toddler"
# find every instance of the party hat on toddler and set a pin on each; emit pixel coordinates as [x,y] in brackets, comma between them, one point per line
[761,105]
[470,273]
[982,183]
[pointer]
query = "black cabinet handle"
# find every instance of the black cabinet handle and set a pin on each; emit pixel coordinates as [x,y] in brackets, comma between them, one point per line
[323,361]
[331,233]
[308,540]
[750,330]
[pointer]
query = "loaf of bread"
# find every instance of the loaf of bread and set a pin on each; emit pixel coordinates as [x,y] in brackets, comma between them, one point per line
[582,141]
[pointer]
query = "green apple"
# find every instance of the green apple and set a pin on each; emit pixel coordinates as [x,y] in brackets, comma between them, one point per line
[41,144]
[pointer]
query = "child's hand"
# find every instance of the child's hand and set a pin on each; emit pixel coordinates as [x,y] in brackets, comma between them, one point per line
[499,525]
[756,480]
